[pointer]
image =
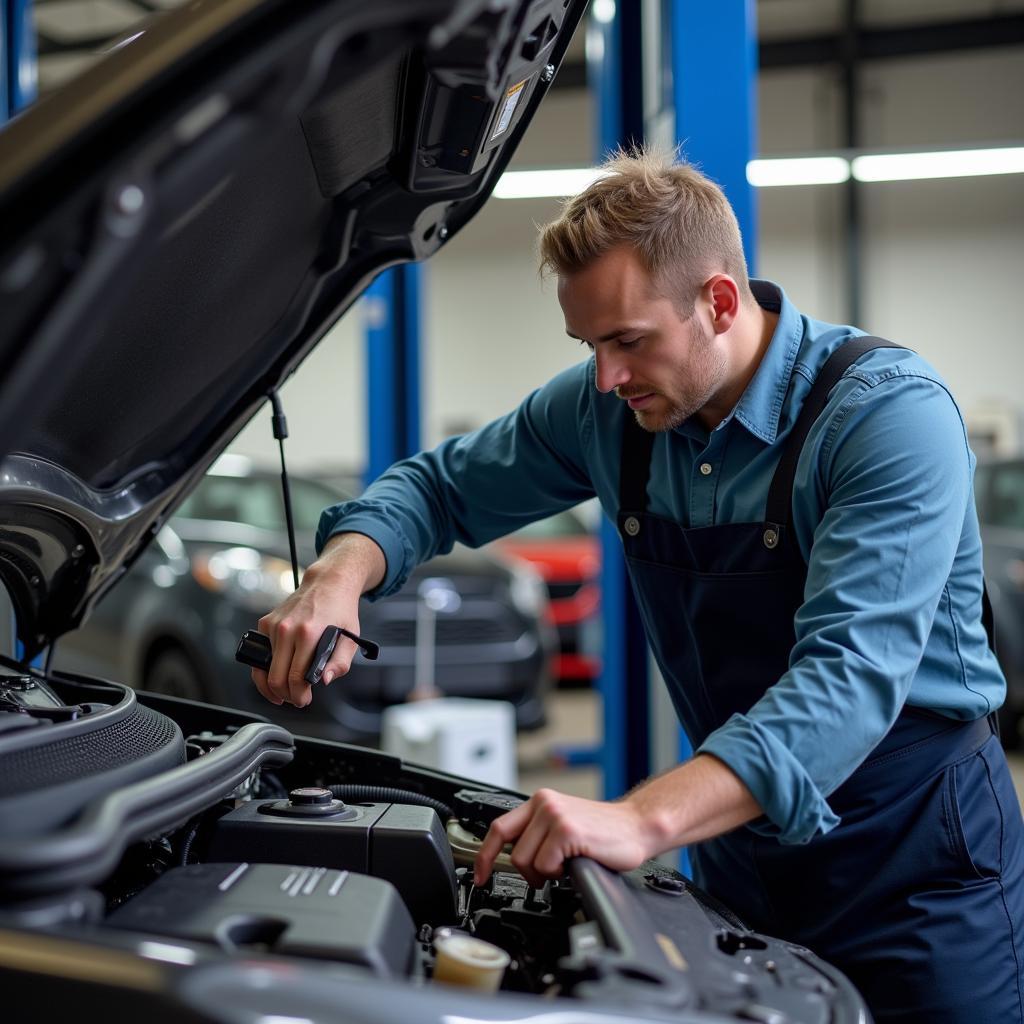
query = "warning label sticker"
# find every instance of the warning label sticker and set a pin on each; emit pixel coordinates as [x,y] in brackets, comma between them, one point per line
[512,98]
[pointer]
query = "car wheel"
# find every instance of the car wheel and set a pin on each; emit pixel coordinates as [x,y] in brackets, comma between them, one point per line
[172,672]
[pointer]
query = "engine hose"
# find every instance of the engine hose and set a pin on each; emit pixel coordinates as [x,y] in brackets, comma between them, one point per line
[390,794]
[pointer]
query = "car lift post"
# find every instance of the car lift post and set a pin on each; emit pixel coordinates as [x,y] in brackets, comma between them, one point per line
[614,70]
[668,71]
[392,311]
[17,57]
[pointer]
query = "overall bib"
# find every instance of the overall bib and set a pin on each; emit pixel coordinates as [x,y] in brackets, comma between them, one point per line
[918,894]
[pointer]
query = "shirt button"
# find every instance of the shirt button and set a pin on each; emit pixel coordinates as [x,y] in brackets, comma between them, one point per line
[705,468]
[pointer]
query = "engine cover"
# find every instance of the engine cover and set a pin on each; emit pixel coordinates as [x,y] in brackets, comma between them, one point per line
[290,910]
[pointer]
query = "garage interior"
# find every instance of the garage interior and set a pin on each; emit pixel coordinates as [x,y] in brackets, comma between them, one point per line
[831,78]
[928,256]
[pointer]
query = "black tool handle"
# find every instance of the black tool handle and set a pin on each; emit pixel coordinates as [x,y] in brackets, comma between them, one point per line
[254,650]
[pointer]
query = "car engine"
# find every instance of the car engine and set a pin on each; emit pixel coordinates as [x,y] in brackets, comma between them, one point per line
[197,863]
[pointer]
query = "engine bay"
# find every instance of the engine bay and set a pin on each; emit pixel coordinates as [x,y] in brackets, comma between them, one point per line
[227,847]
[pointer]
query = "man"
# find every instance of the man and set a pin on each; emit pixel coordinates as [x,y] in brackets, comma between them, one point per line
[795,504]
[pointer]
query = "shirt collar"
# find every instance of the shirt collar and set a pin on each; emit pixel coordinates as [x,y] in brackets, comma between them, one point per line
[760,406]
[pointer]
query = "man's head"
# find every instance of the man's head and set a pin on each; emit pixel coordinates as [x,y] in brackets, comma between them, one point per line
[651,274]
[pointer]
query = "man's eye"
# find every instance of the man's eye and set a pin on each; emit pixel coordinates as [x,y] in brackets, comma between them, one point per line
[632,343]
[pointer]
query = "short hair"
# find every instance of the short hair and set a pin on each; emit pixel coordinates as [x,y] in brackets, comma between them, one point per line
[677,220]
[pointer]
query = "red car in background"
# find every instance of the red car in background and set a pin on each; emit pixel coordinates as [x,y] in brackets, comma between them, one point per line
[567,555]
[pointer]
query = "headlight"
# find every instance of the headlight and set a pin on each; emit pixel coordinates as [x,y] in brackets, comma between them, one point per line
[246,576]
[528,592]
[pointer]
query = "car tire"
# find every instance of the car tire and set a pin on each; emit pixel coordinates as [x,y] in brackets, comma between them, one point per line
[172,672]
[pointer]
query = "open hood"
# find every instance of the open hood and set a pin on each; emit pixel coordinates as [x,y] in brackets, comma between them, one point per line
[185,221]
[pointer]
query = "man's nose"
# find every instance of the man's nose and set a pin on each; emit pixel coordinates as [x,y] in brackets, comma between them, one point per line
[611,372]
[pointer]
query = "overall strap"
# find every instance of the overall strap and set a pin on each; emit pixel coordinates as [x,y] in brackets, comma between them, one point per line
[780,494]
[634,466]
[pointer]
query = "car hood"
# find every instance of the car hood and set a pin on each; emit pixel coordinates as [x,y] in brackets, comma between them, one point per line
[186,220]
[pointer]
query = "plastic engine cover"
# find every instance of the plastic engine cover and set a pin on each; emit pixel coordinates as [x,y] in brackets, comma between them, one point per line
[288,910]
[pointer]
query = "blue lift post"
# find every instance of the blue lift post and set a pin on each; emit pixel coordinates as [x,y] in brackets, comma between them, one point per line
[711,52]
[615,71]
[714,92]
[392,309]
[714,86]
[18,49]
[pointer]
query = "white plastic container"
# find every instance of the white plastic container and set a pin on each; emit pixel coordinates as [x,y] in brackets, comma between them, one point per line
[476,738]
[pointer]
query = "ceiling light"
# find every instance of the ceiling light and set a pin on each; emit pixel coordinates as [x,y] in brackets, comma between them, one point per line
[810,170]
[807,170]
[535,184]
[957,163]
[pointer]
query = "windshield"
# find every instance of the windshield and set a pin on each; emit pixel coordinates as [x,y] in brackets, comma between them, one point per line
[257,501]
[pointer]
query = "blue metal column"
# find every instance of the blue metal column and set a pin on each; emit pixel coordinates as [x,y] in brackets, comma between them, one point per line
[711,51]
[615,70]
[714,84]
[17,57]
[392,368]
[714,88]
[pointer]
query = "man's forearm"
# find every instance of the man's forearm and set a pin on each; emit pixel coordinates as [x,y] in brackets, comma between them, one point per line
[354,555]
[697,800]
[694,801]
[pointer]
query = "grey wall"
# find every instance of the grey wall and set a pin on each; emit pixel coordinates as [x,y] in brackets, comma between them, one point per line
[943,259]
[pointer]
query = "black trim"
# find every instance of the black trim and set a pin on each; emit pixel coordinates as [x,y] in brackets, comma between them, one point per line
[871,44]
[904,41]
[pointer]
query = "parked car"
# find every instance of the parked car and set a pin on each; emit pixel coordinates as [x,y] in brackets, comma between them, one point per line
[172,624]
[999,494]
[180,228]
[568,557]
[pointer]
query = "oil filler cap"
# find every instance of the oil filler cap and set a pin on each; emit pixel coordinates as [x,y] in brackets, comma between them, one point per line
[311,802]
[311,796]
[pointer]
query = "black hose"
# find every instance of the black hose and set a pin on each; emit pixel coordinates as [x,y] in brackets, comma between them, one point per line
[190,838]
[381,794]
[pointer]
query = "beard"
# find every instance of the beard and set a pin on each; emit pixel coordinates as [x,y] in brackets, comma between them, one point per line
[693,386]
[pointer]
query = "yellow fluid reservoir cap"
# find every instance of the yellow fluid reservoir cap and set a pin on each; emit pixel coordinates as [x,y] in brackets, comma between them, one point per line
[472,963]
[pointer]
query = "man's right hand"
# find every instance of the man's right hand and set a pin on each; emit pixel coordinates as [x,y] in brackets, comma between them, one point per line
[350,565]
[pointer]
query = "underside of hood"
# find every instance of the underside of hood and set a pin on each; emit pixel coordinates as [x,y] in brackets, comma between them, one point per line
[186,220]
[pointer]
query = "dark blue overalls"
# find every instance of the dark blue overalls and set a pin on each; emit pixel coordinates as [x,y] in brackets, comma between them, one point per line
[918,894]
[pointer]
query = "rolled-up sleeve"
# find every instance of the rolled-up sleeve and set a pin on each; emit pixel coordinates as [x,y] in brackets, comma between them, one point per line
[883,485]
[482,485]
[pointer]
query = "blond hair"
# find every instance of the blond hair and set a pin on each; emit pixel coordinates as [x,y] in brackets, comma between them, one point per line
[678,221]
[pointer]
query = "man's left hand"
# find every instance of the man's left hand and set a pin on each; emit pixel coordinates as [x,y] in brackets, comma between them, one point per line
[551,827]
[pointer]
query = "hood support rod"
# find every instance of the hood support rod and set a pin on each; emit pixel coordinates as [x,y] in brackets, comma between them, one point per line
[280,433]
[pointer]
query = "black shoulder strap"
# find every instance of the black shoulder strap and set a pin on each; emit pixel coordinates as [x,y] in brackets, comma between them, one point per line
[634,466]
[780,494]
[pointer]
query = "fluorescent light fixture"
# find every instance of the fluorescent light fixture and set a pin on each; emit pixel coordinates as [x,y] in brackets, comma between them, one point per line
[804,170]
[808,170]
[536,184]
[956,163]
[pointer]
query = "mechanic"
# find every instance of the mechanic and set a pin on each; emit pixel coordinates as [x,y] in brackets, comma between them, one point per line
[811,588]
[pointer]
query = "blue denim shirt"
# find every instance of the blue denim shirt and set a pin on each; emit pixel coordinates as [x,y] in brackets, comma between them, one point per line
[883,513]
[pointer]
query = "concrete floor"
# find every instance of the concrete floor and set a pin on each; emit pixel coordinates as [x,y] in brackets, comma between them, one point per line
[573,717]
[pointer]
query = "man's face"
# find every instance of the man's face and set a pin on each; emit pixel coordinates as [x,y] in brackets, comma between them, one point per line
[665,367]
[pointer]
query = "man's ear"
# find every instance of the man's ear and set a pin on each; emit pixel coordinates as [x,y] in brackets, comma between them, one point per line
[723,296]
